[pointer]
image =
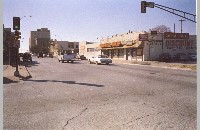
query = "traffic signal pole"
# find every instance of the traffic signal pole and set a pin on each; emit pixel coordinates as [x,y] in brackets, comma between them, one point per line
[16,27]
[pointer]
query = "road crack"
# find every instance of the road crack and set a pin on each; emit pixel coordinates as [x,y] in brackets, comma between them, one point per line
[74,117]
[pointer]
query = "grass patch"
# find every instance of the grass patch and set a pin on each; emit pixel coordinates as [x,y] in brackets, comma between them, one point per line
[192,67]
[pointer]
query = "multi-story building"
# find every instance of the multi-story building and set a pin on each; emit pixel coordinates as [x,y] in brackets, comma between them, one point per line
[40,37]
[56,47]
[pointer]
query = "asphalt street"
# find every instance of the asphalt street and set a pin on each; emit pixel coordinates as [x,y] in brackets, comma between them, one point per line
[83,96]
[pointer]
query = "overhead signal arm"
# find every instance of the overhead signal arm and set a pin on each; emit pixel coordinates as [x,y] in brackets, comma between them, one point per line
[145,4]
[171,10]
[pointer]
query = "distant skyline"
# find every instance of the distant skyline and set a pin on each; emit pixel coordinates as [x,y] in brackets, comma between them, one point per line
[87,20]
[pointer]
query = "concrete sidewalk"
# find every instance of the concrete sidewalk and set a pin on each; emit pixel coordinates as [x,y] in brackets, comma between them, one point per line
[8,74]
[171,65]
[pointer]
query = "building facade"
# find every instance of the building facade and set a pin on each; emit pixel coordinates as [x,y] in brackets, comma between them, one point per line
[58,47]
[142,46]
[89,49]
[39,37]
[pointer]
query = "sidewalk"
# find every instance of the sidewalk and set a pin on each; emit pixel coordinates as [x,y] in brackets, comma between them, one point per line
[172,65]
[8,74]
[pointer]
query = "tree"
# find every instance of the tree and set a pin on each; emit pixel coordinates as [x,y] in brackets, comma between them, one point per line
[161,29]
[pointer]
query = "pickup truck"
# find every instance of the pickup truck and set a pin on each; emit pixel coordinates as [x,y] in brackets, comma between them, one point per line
[66,57]
[100,59]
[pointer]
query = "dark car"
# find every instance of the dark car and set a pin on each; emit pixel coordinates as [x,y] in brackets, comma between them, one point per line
[165,57]
[51,55]
[27,57]
[82,57]
[40,54]
[180,57]
[192,56]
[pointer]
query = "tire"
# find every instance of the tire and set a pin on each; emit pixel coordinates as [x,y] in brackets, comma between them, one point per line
[72,61]
[62,61]
[107,63]
[58,60]
[97,63]
[67,61]
[90,62]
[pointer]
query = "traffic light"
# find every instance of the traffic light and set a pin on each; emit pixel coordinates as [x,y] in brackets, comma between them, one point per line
[17,35]
[143,6]
[16,23]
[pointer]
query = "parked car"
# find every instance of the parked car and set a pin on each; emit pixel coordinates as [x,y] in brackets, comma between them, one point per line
[27,57]
[51,55]
[165,57]
[21,54]
[192,56]
[81,57]
[180,57]
[40,54]
[100,59]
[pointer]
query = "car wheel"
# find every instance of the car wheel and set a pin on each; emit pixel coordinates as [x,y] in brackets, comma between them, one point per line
[90,62]
[97,63]
[72,61]
[107,63]
[62,61]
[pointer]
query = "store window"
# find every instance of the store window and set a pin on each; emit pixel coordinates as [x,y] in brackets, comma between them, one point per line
[115,53]
[121,53]
[139,52]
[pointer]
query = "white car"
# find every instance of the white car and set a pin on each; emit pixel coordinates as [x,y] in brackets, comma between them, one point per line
[100,59]
[66,57]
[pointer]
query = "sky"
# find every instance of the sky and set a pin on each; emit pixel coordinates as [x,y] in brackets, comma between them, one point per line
[87,20]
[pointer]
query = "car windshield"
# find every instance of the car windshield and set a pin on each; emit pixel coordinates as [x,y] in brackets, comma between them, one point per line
[102,56]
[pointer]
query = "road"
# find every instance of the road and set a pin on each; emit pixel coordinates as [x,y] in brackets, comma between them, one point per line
[83,96]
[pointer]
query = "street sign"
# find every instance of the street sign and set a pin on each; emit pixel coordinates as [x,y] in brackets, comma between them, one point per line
[143,37]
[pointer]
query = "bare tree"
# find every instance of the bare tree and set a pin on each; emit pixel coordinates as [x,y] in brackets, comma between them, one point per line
[161,29]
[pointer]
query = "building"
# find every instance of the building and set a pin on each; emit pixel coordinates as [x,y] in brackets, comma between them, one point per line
[56,47]
[123,46]
[40,37]
[142,46]
[89,49]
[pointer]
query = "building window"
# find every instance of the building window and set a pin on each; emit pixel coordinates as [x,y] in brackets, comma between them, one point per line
[90,49]
[76,46]
[121,53]
[115,53]
[139,52]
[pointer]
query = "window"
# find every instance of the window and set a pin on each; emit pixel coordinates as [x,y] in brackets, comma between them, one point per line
[90,49]
[115,53]
[121,53]
[139,52]
[76,46]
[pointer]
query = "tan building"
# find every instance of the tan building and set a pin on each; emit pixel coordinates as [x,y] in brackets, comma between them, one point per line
[89,49]
[143,46]
[56,47]
[41,36]
[123,46]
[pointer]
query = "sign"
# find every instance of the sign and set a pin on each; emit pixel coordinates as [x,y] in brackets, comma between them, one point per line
[143,37]
[170,35]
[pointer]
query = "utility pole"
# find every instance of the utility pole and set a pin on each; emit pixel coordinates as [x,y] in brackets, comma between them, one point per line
[181,24]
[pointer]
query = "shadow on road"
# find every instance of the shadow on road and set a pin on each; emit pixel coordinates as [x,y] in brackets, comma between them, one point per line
[30,64]
[8,81]
[68,82]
